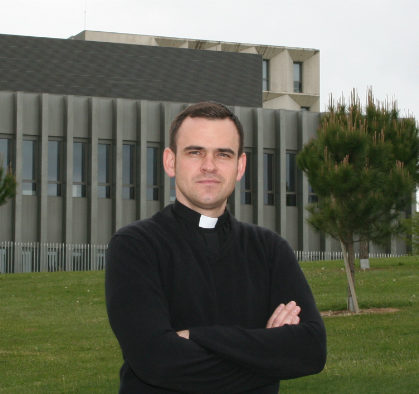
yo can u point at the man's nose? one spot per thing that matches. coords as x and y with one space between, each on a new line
208 164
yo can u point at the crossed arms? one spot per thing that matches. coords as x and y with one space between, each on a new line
283 314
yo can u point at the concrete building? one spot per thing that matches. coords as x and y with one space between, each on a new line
86 166
83 125
291 76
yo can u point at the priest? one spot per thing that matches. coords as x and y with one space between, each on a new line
200 302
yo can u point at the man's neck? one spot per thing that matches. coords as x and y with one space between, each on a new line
212 213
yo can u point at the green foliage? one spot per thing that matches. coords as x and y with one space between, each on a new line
7 185
411 226
364 167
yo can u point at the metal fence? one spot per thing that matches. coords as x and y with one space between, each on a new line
319 255
51 257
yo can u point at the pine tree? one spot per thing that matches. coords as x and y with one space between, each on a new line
364 168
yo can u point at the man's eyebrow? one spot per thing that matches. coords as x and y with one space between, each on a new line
221 150
193 147
226 150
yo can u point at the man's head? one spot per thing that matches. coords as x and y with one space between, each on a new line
206 157
206 110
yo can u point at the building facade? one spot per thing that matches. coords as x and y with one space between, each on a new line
83 125
290 76
86 166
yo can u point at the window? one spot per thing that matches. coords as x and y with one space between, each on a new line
54 168
298 77
5 153
265 74
291 179
247 181
153 170
29 167
79 169
128 168
312 196
268 179
104 171
305 108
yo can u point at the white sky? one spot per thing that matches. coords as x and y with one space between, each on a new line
362 43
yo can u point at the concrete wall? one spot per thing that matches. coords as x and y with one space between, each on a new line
93 120
280 71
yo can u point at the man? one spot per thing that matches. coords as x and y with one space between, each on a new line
199 302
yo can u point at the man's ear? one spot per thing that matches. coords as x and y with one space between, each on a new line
169 158
241 166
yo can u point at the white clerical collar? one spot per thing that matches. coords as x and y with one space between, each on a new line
207 222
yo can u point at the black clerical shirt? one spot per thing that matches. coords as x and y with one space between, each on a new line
161 278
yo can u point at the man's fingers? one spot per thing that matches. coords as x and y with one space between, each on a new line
274 315
287 314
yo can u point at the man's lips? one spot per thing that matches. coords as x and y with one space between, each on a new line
208 181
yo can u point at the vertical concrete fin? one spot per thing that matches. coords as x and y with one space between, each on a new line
142 159
117 164
258 121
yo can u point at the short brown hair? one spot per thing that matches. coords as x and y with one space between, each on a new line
207 110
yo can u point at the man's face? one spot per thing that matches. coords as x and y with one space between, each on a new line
206 164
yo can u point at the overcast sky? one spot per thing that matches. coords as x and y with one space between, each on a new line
362 43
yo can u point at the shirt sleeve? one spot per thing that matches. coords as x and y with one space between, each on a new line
139 316
285 352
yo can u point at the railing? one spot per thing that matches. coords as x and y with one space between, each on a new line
320 256
51 257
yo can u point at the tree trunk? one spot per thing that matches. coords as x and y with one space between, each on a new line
364 254
349 260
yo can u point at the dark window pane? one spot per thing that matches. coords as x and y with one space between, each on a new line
265 74
28 188
298 83
4 152
268 178
291 200
54 189
246 181
28 151
153 162
247 198
104 163
127 164
269 199
128 193
152 194
79 162
104 191
152 165
53 161
291 172
79 190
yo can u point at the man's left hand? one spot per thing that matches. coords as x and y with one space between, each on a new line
183 333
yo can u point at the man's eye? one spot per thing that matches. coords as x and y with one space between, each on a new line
194 152
224 155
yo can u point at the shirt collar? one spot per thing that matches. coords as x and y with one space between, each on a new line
196 219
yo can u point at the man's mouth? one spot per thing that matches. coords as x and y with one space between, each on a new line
208 181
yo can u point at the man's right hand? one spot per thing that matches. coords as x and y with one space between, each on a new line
284 314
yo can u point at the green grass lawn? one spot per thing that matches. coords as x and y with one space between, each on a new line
55 337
